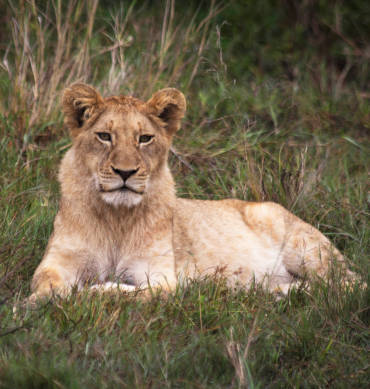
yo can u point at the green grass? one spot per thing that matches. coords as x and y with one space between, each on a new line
272 115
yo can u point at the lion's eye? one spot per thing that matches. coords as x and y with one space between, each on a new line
105 136
145 138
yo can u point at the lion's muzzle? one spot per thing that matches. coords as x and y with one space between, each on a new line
119 186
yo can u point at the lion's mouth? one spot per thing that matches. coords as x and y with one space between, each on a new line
126 188
123 189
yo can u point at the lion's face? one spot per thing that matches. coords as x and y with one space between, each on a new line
123 151
122 142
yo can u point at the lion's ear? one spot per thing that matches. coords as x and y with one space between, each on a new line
169 105
79 102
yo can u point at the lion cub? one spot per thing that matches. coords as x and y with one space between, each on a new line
120 220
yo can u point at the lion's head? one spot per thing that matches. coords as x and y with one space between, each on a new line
121 142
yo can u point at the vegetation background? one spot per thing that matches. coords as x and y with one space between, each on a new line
279 110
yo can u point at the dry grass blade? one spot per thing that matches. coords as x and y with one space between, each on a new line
239 358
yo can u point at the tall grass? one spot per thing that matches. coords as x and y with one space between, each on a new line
44 54
59 43
271 116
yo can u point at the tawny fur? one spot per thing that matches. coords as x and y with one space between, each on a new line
135 232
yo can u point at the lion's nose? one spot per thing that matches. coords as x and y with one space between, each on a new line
125 174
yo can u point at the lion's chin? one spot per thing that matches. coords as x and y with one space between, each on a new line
126 198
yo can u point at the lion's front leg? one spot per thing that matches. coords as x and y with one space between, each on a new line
48 282
144 291
57 273
113 287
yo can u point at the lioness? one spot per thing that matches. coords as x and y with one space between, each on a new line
120 224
